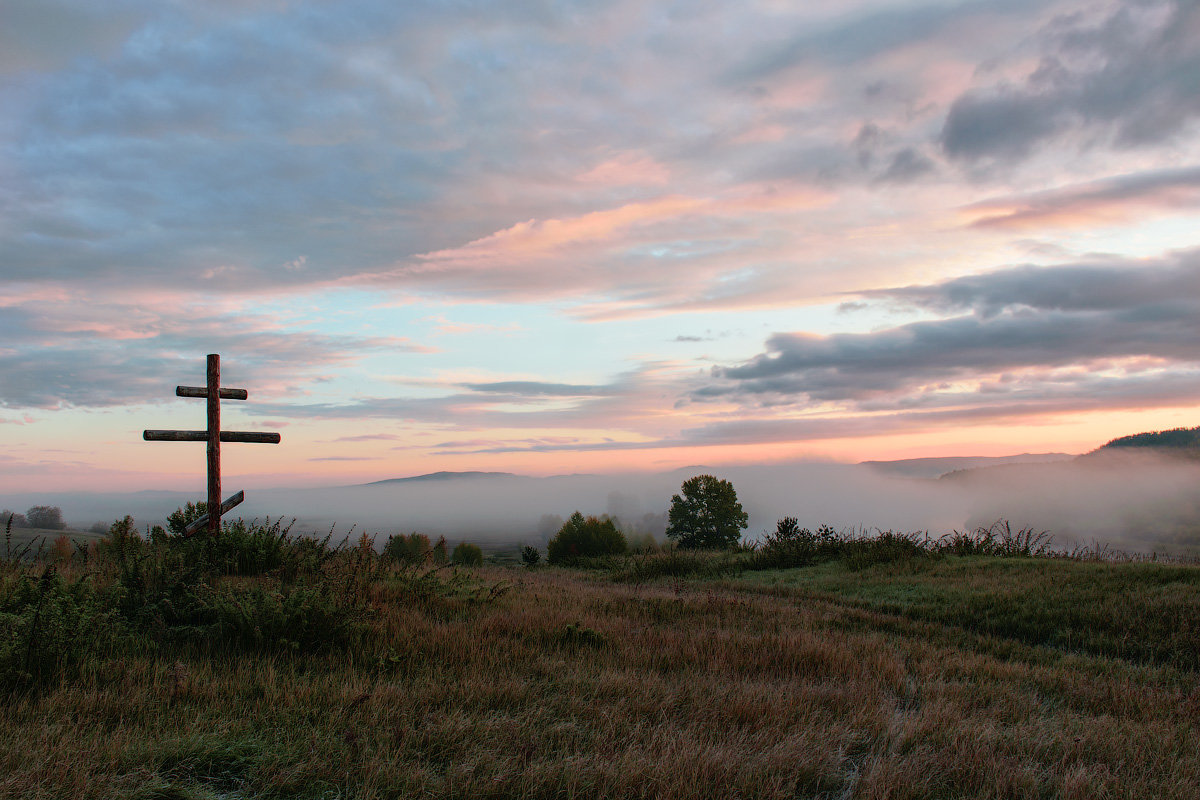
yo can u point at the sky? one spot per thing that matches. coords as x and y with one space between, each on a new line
588 237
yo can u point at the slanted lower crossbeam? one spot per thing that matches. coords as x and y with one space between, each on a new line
213 435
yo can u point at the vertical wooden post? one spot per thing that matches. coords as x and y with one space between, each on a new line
214 444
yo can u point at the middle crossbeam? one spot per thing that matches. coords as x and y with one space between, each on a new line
202 436
202 392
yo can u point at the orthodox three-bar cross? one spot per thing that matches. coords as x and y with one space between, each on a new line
214 393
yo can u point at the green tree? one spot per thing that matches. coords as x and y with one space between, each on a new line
707 514
581 537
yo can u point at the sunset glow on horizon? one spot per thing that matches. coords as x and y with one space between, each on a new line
589 238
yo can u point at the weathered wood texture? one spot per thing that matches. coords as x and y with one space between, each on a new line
258 437
214 444
202 391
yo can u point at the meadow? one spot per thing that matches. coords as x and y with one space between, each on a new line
267 665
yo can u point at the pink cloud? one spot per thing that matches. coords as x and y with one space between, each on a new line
1118 199
627 169
647 253
539 237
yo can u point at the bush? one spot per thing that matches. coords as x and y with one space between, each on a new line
439 555
530 555
467 555
411 549
792 546
180 518
885 547
49 626
581 537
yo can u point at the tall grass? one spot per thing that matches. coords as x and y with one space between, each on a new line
254 588
918 674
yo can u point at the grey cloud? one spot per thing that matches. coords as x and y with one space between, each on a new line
867 35
1101 285
257 137
47 34
907 165
118 355
538 388
618 403
1126 78
1044 330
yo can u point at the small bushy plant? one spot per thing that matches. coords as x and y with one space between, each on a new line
885 547
467 555
439 553
530 555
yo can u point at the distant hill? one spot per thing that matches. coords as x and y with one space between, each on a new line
938 467
1125 452
441 476
1174 439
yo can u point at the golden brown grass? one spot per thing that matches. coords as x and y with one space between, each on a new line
569 685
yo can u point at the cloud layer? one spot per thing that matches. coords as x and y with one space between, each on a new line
1024 339
494 230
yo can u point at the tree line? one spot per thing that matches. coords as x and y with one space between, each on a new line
45 517
705 514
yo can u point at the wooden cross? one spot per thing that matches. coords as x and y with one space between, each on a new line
214 393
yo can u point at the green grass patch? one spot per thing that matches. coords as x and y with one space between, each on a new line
1142 612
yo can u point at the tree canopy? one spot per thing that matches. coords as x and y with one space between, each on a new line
707 514
49 517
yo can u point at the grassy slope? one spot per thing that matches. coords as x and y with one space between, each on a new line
964 677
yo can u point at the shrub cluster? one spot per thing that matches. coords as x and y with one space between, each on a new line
253 588
581 538
415 549
792 546
467 555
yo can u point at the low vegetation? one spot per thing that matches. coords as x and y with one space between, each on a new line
582 538
813 664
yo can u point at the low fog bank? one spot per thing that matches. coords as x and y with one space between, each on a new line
513 508
1134 501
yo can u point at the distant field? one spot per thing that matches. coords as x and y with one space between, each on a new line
21 537
960 677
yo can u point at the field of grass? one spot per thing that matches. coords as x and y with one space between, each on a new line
28 540
951 677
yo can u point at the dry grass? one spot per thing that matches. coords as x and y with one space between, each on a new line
569 685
